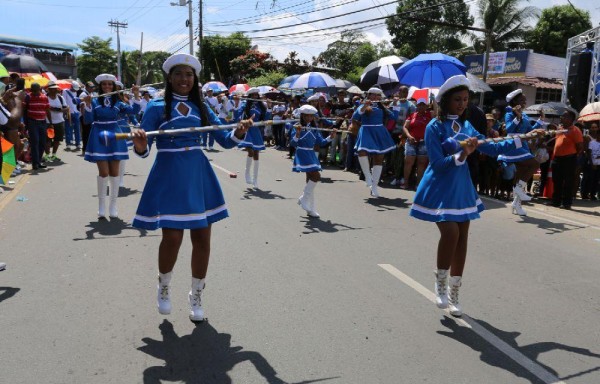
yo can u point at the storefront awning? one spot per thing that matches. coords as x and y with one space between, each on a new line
37 43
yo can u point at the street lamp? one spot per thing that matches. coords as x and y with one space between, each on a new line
188 22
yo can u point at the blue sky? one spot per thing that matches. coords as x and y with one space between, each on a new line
70 21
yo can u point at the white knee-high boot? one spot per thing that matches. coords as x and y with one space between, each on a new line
377 169
516 207
195 299
164 293
519 190
102 183
313 206
454 305
114 194
255 174
121 173
307 200
248 164
364 166
441 288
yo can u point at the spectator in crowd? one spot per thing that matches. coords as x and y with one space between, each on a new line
564 163
10 131
56 121
143 103
279 112
340 109
86 128
403 108
73 122
415 149
589 180
37 110
488 164
477 119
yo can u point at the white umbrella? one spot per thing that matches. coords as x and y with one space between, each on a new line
478 85
355 90
382 71
590 112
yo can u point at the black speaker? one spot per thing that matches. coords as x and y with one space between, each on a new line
580 67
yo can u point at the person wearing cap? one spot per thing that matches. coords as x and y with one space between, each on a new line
37 110
182 191
72 124
254 141
446 195
8 99
56 120
373 138
517 122
304 137
103 113
414 148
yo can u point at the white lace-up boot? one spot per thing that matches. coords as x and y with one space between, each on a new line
519 190
113 193
377 169
195 299
121 173
248 164
441 288
516 207
164 293
255 175
102 184
454 305
311 203
364 166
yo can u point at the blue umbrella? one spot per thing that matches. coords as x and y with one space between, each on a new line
430 70
313 80
288 80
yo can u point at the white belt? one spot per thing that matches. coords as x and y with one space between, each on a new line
184 149
106 122
305 148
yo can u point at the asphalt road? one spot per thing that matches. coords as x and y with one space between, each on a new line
344 299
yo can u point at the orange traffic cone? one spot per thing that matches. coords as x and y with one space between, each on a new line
549 187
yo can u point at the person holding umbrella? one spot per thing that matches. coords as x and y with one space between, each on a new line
373 139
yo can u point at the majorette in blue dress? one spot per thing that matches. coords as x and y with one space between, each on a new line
373 138
104 116
305 159
514 127
446 192
254 137
124 121
182 190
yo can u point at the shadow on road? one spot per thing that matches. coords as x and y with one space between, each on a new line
385 204
492 356
205 356
314 225
550 227
7 292
251 193
113 227
125 191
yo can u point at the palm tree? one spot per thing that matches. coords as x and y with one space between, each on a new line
508 22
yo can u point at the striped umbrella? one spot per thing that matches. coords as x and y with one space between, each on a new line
8 160
266 89
382 71
216 86
313 80
239 89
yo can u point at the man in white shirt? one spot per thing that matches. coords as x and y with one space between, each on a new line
56 120
72 126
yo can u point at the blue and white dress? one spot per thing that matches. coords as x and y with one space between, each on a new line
254 137
124 121
182 190
446 192
305 159
373 138
514 127
104 116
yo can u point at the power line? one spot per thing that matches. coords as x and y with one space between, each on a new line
81 6
302 4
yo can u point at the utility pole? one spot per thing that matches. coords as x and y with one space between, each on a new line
189 23
138 80
116 24
200 37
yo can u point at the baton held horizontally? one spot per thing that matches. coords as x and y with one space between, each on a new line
452 146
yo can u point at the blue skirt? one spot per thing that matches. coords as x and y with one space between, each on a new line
253 140
98 150
305 160
124 126
374 139
182 192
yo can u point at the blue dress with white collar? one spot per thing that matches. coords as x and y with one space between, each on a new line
182 190
446 192
104 116
305 159
254 136
514 127
372 137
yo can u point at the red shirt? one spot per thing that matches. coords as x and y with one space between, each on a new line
37 106
417 124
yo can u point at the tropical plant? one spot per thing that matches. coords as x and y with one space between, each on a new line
272 78
218 51
97 57
252 64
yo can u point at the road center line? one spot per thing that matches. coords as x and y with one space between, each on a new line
466 321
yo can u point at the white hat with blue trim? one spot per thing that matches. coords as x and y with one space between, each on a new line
182 59
105 77
452 82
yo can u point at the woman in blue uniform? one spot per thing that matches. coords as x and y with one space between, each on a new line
304 138
373 139
446 194
517 122
103 114
182 190
254 141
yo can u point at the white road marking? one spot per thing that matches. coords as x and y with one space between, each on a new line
466 321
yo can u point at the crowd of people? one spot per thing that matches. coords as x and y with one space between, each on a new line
397 140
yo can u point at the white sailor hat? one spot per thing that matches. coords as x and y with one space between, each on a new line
119 84
375 91
422 100
182 59
75 85
105 77
453 82
307 110
252 90
513 94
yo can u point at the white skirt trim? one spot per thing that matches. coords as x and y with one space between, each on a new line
448 211
375 150
189 217
107 154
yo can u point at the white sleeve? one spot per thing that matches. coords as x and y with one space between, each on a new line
458 162
4 115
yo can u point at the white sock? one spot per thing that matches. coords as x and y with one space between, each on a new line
198 283
364 165
376 174
255 174
165 278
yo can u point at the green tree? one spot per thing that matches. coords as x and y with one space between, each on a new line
411 38
292 64
555 26
218 51
350 51
272 78
252 64
97 57
507 20
150 69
